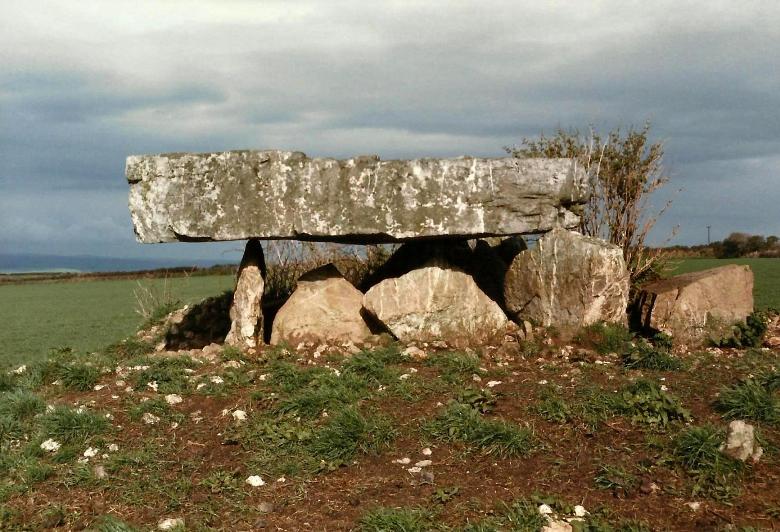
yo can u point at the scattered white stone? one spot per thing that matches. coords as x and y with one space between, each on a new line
664 388
91 452
414 352
100 472
263 377
196 417
414 469
171 523
21 369
543 381
281 480
50 445
476 378
49 408
255 481
404 376
403 461
694 506
114 397
423 463
580 511
336 372
113 447
58 382
173 399
412 370
129 390
200 385
153 385
175 425
492 384
239 415
235 364
150 419
427 451
216 379
99 387
544 509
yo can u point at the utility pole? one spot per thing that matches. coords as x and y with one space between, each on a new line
708 234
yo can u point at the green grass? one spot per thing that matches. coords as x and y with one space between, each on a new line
767 276
85 315
751 399
463 423
396 520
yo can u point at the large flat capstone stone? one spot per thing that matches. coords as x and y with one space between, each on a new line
236 195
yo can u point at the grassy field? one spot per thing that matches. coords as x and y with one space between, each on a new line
766 271
84 315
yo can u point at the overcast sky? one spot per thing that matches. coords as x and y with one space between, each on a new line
84 84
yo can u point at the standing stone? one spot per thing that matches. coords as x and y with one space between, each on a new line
281 194
325 308
246 311
435 302
741 442
568 280
698 305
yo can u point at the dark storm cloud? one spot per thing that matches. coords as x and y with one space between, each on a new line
81 88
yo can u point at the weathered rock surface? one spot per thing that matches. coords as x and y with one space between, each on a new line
287 195
246 311
568 280
741 442
325 307
695 306
435 302
486 264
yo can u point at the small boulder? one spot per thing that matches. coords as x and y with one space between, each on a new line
325 307
568 280
246 311
435 302
741 442
696 306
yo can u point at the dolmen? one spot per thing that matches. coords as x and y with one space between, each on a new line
462 274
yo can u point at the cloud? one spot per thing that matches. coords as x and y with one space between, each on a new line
84 85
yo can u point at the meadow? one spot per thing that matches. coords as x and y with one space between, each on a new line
87 315
84 315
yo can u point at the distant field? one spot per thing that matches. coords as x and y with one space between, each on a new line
84 315
766 272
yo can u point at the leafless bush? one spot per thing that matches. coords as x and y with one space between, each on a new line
625 169
153 301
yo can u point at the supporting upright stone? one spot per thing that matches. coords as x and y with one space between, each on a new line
437 301
325 307
568 280
246 312
697 306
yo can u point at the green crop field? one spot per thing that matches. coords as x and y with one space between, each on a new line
84 315
766 272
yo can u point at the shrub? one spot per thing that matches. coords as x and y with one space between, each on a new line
625 169
748 334
645 402
645 356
